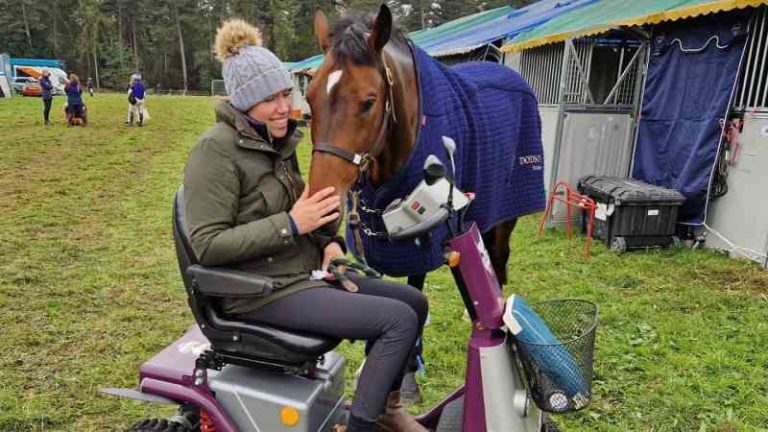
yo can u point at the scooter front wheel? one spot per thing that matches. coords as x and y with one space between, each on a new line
452 416
453 413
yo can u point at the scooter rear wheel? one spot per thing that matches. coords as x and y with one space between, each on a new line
159 425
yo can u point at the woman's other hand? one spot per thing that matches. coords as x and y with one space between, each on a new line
312 212
333 250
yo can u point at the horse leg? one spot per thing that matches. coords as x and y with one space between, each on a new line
410 393
497 242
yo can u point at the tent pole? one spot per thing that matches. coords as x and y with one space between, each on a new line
642 74
752 97
560 115
582 74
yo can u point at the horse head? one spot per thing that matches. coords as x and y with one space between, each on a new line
357 100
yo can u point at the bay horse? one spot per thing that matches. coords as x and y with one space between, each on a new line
380 106
373 110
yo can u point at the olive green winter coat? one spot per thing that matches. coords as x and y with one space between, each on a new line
238 190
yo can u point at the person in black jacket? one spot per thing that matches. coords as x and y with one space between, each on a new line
47 93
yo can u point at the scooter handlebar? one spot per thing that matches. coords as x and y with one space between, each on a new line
422 228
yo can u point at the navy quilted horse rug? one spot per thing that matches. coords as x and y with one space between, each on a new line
492 114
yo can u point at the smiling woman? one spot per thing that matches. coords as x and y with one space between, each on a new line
242 186
273 112
246 206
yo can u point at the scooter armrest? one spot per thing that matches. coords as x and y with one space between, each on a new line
226 282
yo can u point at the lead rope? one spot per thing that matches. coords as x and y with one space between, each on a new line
353 219
358 267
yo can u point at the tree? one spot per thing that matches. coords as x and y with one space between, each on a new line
170 41
180 35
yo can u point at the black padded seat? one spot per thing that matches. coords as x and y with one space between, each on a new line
299 343
232 338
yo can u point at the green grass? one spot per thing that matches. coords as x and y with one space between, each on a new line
89 289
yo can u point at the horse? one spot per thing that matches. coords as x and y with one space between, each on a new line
381 105
76 116
369 107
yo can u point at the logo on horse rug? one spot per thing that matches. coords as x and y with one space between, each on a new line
492 115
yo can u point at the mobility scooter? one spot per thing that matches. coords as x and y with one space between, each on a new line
229 376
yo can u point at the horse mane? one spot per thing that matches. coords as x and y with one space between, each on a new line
350 38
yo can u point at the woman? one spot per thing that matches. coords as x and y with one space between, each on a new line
46 89
75 107
246 206
136 92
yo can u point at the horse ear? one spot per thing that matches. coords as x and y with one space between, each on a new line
321 30
382 28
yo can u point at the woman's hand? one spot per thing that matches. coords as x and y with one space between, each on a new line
333 250
311 212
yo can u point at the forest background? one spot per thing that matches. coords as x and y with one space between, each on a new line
169 41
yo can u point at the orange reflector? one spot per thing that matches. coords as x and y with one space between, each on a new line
289 416
453 259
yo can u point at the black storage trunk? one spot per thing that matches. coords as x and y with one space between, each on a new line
632 214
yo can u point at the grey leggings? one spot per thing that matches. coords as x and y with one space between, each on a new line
388 315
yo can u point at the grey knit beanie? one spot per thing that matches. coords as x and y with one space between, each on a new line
251 73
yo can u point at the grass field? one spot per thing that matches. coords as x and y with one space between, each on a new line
89 289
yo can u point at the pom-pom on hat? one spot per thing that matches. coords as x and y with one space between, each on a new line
251 72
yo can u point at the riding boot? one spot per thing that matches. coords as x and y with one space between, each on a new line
141 119
396 418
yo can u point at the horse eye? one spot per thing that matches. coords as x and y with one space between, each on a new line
367 105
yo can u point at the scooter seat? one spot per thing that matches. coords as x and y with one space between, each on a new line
269 342
233 340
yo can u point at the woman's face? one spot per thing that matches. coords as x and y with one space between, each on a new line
274 112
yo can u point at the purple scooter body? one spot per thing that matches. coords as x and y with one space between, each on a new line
171 374
485 294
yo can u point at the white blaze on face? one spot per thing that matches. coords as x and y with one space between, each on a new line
333 79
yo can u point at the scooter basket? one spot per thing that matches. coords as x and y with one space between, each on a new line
559 375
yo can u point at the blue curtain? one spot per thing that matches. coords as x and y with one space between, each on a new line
691 75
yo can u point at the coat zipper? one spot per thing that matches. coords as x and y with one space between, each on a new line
289 177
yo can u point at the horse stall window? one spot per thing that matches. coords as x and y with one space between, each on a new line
753 85
597 71
577 72
542 68
615 69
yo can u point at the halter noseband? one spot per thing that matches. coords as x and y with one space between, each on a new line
363 160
